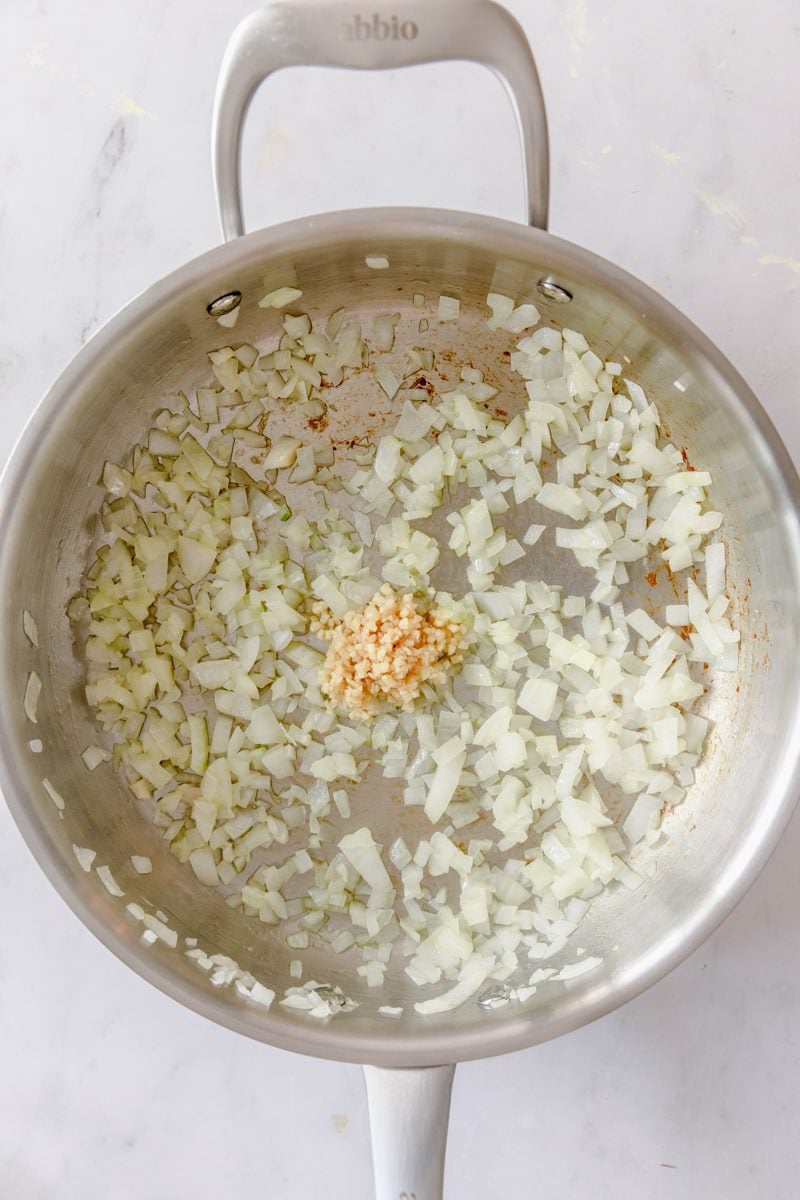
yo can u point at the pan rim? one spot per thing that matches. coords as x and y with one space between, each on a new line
438 1043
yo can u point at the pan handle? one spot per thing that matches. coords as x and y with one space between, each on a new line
379 35
408 1112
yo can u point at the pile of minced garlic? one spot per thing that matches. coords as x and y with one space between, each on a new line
386 651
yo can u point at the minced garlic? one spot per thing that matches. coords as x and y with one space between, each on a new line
386 651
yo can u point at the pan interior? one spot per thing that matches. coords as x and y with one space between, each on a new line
107 399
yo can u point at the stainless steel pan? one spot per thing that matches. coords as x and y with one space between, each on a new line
103 402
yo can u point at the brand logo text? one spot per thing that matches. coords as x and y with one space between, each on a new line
378 29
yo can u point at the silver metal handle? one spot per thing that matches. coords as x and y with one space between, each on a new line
380 35
408 1113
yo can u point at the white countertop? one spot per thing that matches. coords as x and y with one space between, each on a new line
675 134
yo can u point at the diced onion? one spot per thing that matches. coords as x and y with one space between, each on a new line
205 604
33 689
85 857
94 755
54 795
108 881
280 297
30 628
449 308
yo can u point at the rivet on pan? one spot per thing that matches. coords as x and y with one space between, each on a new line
553 291
494 997
224 304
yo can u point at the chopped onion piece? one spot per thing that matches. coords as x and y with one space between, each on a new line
449 308
94 755
282 453
108 881
502 308
532 534
474 973
85 857
359 849
280 297
33 689
573 970
715 571
388 381
31 629
443 785
55 796
538 697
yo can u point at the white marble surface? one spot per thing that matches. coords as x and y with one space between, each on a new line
676 151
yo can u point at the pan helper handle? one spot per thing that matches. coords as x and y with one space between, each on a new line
377 35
